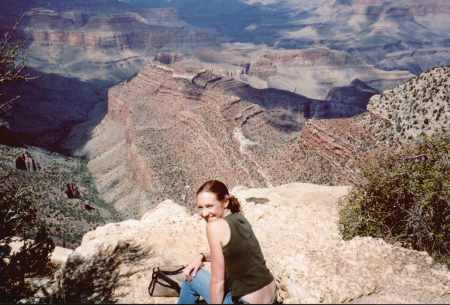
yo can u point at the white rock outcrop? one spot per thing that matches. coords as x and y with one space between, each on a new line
297 230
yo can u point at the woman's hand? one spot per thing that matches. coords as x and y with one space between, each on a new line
193 267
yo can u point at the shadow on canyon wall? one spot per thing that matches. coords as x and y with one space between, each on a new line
49 107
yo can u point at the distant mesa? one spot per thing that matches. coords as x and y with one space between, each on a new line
121 31
358 93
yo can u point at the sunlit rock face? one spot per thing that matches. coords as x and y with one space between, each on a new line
296 228
169 127
310 72
155 29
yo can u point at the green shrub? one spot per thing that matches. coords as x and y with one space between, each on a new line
18 222
404 197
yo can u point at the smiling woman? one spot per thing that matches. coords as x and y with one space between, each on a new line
238 269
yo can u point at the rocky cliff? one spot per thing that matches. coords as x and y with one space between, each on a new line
81 51
170 127
156 29
311 72
419 106
296 227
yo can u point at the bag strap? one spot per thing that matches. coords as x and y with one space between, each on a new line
170 283
158 274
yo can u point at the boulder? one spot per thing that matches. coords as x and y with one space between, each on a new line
89 207
25 162
72 191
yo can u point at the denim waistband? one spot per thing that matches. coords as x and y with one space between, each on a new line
238 300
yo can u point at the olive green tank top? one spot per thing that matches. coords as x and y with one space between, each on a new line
245 266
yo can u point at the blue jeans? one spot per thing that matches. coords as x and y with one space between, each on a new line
199 286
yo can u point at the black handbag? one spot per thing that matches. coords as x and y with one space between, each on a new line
166 281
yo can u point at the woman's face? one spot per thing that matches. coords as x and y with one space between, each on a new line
210 208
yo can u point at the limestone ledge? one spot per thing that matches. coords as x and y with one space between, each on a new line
296 227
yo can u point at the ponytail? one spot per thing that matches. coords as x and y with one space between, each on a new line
234 205
221 191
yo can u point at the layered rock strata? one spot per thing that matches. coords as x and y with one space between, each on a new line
337 147
178 127
113 31
296 227
311 72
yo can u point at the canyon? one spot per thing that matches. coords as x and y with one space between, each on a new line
138 102
93 45
235 101
177 126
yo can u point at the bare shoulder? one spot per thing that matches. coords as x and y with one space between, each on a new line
218 232
217 225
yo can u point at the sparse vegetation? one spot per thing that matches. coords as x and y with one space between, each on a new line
18 222
67 219
94 280
404 197
12 66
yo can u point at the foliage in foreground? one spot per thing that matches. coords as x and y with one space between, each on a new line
12 65
18 224
405 197
94 280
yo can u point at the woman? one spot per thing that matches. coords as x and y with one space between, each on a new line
238 269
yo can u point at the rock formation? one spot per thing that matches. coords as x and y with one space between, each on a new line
422 104
296 227
310 72
419 106
25 162
72 191
177 125
357 93
109 32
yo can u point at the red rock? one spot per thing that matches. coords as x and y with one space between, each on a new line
26 162
112 31
72 191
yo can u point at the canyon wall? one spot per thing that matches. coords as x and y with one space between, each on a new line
169 129
310 72
156 29
179 126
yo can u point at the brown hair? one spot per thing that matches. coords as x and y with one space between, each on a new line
221 190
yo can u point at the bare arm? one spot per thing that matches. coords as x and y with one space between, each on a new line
194 266
215 231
